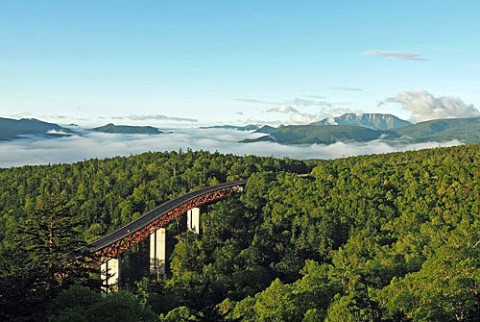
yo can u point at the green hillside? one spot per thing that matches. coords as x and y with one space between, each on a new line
320 134
266 129
127 129
466 130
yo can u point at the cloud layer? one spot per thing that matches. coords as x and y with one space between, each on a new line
101 145
424 106
155 117
284 109
349 89
396 55
300 110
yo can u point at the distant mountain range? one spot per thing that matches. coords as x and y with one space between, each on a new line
250 127
11 129
381 126
321 134
127 129
345 128
374 121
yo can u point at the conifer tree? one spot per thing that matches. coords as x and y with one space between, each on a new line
43 259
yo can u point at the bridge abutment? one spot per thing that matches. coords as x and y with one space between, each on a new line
158 243
193 220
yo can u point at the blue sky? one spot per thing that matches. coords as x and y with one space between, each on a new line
197 62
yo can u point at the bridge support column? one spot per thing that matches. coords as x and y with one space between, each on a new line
193 220
158 243
110 274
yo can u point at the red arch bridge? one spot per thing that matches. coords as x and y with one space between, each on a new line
108 248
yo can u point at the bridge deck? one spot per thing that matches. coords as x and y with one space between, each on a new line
154 214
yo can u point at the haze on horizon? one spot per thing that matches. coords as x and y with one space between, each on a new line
191 63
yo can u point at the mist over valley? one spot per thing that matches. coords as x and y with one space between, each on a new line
82 143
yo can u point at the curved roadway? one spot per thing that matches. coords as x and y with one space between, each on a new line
152 215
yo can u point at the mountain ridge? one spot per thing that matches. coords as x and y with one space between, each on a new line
357 128
127 129
375 121
11 129
466 130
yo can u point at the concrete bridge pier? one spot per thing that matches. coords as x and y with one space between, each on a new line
110 275
158 242
193 220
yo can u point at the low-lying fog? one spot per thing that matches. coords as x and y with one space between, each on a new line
87 145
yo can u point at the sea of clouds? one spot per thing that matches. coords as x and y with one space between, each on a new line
87 145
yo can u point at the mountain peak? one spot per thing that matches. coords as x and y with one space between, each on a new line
375 121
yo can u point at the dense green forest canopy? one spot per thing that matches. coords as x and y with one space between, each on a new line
390 237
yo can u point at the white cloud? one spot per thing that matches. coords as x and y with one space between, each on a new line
396 55
100 145
156 117
304 118
349 89
284 109
424 106
252 120
55 132
255 101
305 111
295 116
300 110
309 102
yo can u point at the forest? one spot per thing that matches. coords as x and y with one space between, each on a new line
391 237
